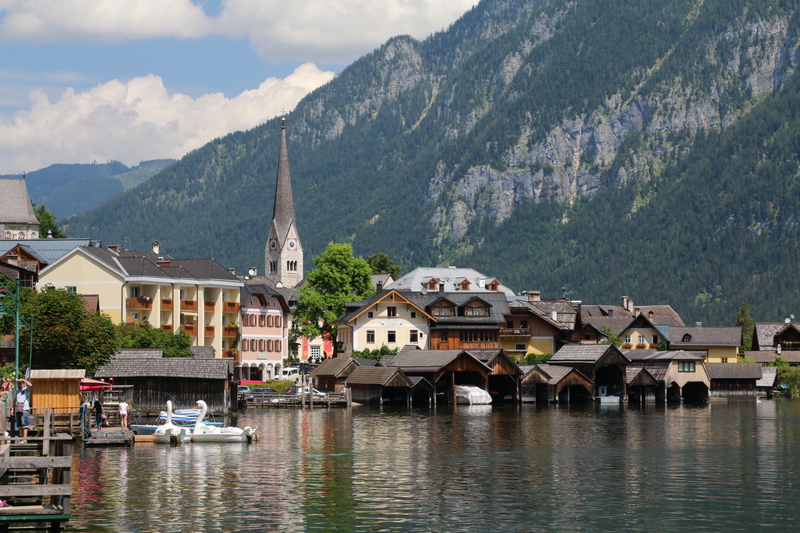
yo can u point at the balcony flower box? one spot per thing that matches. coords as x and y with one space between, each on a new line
641 346
626 346
655 346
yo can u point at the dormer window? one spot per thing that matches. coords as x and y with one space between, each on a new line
443 310
477 310
686 338
464 285
494 286
432 285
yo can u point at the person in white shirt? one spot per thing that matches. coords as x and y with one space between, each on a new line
123 414
22 407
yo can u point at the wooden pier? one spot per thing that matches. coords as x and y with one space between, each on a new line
110 436
295 400
35 480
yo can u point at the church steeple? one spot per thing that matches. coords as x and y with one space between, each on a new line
283 253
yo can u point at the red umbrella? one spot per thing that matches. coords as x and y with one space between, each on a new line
94 384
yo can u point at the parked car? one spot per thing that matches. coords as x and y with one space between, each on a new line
259 394
296 390
291 373
243 389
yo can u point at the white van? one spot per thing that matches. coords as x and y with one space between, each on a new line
291 373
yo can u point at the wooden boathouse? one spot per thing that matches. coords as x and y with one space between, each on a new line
154 379
553 383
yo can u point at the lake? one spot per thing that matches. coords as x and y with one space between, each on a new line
508 468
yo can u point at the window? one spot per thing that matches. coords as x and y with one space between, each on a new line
510 324
370 336
476 311
391 311
641 339
291 266
269 321
627 339
277 346
443 311
494 286
261 345
273 267
519 347
413 314
724 359
523 324
413 336
277 322
391 336
432 285
314 352
655 339
261 320
370 314
685 366
134 292
464 285
444 336
71 288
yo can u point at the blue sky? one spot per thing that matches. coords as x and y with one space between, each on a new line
131 80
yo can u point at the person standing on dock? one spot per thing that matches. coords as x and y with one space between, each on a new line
98 414
123 414
22 407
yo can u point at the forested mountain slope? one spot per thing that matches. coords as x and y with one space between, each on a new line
609 146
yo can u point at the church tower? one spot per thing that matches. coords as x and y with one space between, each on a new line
283 255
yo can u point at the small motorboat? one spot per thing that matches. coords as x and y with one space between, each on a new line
472 395
169 432
203 432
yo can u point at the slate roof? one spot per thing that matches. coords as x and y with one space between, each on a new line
46 250
354 309
633 371
616 324
261 288
140 353
373 376
366 362
564 321
556 372
734 370
331 367
764 333
768 376
168 367
581 353
670 355
498 306
566 314
706 336
416 360
662 314
657 369
418 278
15 203
768 356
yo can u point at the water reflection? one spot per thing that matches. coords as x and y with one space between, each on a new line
459 468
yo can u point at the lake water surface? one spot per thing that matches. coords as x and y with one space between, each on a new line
720 467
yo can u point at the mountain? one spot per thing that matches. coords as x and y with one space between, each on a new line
605 146
69 189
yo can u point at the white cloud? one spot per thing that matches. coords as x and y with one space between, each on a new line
139 120
306 30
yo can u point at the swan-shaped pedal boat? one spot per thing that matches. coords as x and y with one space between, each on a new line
205 433
169 432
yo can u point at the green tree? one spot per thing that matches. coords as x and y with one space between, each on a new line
376 354
65 334
381 263
47 222
535 358
744 320
177 344
611 337
338 277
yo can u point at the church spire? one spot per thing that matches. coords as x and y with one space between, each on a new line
283 210
284 253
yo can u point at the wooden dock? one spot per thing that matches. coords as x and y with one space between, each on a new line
35 481
295 400
111 436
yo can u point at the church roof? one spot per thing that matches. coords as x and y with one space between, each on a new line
283 209
15 203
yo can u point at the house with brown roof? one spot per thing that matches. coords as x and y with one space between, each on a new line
379 385
679 375
603 364
331 374
720 344
594 318
535 326
734 380
554 383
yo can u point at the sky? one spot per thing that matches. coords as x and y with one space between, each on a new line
134 80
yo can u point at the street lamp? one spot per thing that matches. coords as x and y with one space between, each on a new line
9 304
28 322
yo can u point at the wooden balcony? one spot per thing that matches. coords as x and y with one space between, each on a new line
232 354
167 327
190 329
209 331
515 332
188 305
230 331
166 304
230 307
139 302
209 306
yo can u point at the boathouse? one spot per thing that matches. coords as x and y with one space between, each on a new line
331 374
443 368
505 377
603 364
681 375
379 385
739 379
184 380
554 383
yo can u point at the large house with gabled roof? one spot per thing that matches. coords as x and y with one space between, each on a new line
17 219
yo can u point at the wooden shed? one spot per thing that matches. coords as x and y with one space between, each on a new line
331 374
734 379
379 385
551 383
59 390
184 380
603 364
504 380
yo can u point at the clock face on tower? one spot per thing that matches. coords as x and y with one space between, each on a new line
273 244
292 244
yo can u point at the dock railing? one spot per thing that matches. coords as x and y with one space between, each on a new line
35 479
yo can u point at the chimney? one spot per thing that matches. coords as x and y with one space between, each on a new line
163 262
787 320
253 271
533 296
624 302
114 248
554 315
155 247
232 271
778 349
698 324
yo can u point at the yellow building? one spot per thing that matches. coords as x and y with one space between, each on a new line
148 288
384 319
721 344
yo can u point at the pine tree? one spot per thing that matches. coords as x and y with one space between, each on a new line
744 320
